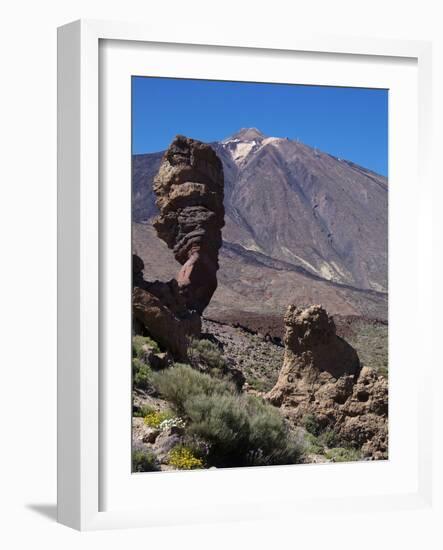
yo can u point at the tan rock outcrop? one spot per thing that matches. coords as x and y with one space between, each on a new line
321 376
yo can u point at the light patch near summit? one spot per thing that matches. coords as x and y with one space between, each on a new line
242 150
273 140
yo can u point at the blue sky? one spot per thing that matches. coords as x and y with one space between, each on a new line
350 123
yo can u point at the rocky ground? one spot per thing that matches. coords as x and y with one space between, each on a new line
258 353
257 357
253 343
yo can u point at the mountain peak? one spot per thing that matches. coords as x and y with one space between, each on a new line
247 134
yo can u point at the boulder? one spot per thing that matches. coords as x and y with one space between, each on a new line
155 359
165 442
168 329
141 433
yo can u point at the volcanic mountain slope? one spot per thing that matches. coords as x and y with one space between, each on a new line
301 227
251 283
144 169
291 202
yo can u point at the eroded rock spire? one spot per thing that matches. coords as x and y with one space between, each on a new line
189 191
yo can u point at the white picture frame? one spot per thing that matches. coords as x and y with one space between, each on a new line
83 204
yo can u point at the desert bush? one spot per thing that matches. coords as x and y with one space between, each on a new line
177 384
206 357
328 438
270 438
313 445
240 429
141 411
311 424
259 384
143 460
319 444
141 374
183 458
342 454
139 341
141 371
198 446
205 353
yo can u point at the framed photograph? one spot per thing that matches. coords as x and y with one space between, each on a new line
240 242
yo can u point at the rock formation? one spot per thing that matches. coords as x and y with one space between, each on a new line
322 376
159 311
189 190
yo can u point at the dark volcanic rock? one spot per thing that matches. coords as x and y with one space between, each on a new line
189 191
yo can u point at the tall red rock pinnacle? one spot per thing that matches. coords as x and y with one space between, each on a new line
189 194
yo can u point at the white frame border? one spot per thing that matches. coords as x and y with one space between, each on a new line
78 255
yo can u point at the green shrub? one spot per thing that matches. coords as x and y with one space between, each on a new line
259 384
142 411
183 458
312 425
137 345
206 357
318 444
144 461
342 454
177 384
270 438
240 429
141 374
205 353
313 445
328 438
